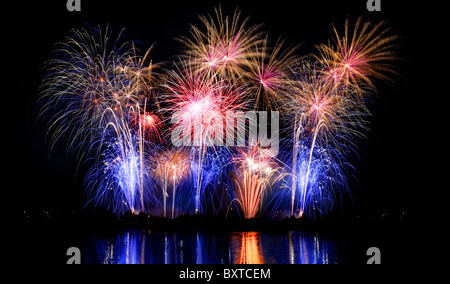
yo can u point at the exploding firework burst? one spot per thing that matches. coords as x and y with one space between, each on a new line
224 46
89 73
324 112
149 125
267 75
359 57
200 104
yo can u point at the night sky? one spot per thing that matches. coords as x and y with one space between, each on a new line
392 166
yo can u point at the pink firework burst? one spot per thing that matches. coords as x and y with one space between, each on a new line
359 56
200 103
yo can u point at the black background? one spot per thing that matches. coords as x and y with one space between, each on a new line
393 168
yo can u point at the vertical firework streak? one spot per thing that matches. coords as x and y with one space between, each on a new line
170 168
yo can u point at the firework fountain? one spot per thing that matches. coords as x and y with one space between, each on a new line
256 172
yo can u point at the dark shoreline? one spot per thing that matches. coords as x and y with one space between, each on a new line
103 221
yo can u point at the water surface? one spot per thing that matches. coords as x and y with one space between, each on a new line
161 247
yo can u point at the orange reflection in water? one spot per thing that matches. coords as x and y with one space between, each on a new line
249 248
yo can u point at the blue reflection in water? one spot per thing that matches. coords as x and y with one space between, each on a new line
140 246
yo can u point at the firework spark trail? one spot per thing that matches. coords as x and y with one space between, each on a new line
256 171
213 170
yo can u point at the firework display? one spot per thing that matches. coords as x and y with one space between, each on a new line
155 139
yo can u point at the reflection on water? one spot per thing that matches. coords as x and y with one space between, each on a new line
139 246
246 245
